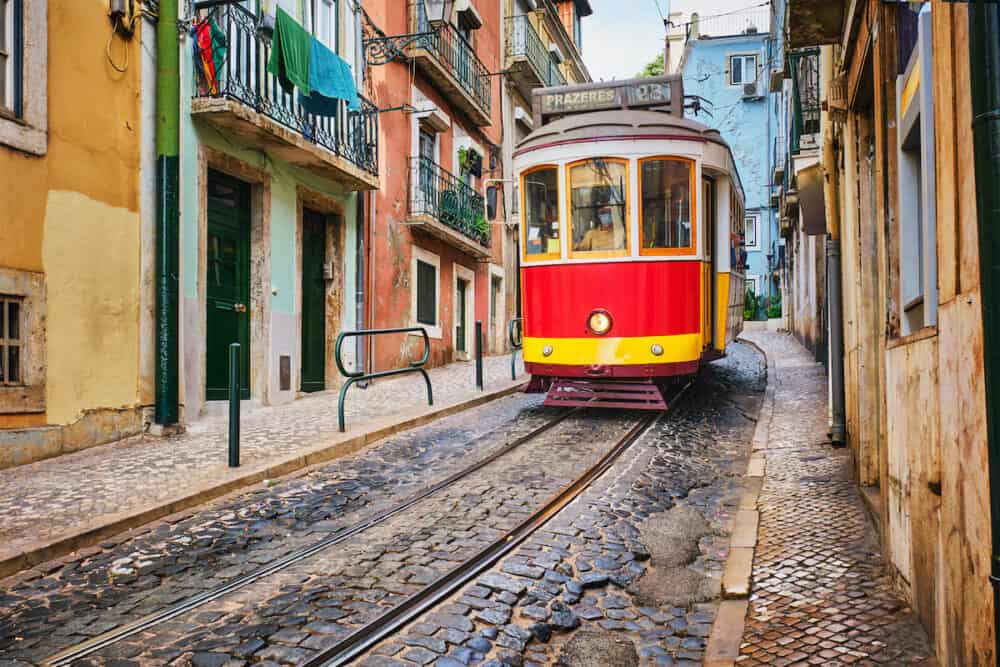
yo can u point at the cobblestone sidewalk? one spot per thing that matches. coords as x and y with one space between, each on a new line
821 593
43 501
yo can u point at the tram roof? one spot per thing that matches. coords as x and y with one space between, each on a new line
626 124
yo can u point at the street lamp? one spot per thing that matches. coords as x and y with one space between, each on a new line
432 16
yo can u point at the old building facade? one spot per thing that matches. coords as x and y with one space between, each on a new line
74 303
724 62
543 46
271 204
892 200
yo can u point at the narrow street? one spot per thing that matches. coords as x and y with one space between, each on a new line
499 333
629 573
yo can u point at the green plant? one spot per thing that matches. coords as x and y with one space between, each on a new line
463 159
774 308
481 226
750 301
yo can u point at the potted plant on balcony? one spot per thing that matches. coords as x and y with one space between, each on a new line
470 161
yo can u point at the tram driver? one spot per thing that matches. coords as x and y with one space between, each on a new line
602 236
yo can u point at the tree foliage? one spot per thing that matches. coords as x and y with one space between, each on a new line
654 67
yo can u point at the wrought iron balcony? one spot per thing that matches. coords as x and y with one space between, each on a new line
451 63
247 100
804 67
448 207
527 58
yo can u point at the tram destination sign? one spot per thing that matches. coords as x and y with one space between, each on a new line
630 93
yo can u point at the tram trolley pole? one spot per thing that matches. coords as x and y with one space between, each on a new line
479 355
360 376
515 334
234 405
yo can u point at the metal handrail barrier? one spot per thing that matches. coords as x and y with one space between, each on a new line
515 343
361 376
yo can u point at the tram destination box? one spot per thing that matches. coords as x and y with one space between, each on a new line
662 93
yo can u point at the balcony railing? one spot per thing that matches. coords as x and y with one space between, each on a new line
352 135
458 57
523 42
753 22
556 77
804 67
437 193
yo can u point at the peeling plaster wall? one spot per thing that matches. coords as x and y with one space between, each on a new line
72 216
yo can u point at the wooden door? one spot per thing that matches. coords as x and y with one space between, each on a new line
227 283
460 316
313 301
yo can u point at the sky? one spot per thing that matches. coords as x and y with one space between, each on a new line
621 36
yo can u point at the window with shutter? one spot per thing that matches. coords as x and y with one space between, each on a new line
426 293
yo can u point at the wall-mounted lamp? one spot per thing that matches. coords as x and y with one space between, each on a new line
384 48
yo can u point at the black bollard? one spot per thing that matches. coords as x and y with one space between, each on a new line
234 405
479 354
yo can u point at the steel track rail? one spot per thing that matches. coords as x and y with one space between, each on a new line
370 634
68 656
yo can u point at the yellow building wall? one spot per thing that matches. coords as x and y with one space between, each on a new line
73 214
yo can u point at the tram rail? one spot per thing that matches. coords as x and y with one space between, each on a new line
377 629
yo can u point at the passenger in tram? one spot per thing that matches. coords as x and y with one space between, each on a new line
601 237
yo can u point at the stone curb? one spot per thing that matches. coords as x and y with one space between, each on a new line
333 448
724 640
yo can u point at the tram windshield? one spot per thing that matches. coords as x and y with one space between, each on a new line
598 212
665 191
541 212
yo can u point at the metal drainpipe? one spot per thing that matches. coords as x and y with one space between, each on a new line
168 218
359 280
831 193
984 68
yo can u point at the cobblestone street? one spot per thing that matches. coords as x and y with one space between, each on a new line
43 501
822 594
629 573
611 563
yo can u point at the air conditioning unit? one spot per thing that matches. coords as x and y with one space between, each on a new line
750 91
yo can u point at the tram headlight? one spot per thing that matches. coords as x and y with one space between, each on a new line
547 351
599 322
656 349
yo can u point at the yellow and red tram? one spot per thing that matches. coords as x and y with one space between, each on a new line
631 265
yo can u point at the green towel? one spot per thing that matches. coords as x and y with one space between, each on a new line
289 59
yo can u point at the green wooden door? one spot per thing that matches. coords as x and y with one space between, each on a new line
313 301
460 315
228 283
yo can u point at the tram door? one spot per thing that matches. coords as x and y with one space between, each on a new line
709 224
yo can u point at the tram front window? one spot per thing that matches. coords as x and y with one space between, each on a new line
599 214
665 191
541 212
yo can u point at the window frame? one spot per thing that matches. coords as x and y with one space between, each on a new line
755 217
916 246
688 251
568 223
6 342
743 69
27 129
420 255
548 256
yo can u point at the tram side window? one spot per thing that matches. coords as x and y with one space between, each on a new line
598 210
665 190
541 212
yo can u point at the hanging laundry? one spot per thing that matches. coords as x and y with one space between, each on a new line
211 47
290 53
331 80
